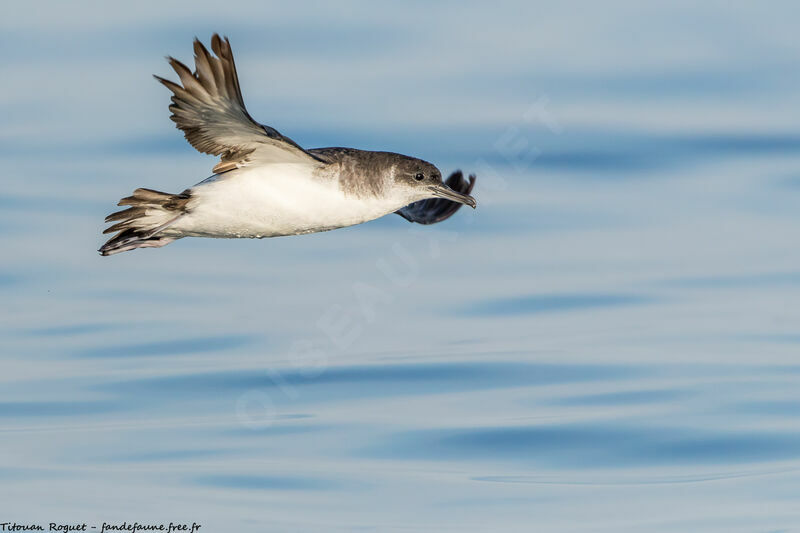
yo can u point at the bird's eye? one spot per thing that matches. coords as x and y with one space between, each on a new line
420 176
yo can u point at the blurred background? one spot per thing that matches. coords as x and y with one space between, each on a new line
609 342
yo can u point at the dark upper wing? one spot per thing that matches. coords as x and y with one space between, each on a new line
208 107
435 210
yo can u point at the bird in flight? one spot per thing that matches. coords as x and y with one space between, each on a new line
267 185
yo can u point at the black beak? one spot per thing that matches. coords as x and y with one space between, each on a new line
443 191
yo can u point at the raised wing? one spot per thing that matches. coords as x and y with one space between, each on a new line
209 108
435 210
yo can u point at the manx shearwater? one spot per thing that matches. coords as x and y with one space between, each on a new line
265 184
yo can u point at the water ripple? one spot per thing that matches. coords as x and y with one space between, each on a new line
169 347
352 381
64 408
72 330
599 479
552 303
252 482
755 280
621 398
596 446
7 279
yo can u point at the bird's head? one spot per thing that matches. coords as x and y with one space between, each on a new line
423 180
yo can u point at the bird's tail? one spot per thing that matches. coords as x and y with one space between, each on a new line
139 225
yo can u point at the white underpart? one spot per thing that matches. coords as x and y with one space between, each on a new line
274 200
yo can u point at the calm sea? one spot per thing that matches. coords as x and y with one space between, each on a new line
610 342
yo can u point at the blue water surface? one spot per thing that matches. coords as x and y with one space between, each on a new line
610 342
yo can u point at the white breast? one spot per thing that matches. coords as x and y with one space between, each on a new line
274 200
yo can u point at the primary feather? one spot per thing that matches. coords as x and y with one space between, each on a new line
210 110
